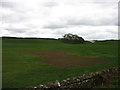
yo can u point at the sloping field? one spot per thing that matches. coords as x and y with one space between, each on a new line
30 62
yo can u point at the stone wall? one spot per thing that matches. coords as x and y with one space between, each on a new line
86 81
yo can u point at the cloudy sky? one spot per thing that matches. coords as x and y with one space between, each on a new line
91 19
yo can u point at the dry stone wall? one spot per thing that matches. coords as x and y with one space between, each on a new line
86 81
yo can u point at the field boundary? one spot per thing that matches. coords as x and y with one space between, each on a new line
86 81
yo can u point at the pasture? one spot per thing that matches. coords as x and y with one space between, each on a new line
30 62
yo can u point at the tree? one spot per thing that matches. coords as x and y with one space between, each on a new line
70 38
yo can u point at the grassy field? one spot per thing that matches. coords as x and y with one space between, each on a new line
24 70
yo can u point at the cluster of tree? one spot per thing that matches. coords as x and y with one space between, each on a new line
70 38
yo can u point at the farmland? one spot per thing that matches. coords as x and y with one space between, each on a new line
22 67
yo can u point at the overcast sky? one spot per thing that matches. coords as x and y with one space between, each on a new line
90 19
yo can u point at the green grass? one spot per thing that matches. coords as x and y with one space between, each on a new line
115 83
23 70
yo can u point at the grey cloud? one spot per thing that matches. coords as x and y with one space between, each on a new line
21 14
82 21
112 31
107 1
13 15
50 4
103 34
13 18
53 26
96 36
17 30
90 22
119 13
85 22
31 33
6 4
59 32
108 20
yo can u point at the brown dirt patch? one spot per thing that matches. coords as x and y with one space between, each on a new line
59 58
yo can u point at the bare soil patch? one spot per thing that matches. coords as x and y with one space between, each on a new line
59 58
